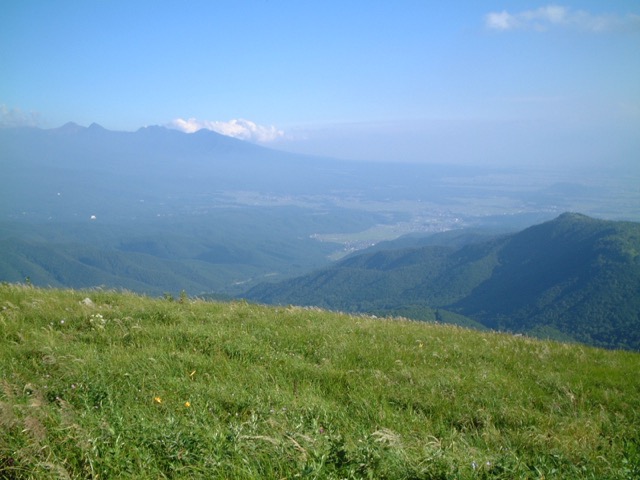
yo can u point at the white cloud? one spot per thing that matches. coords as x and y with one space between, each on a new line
14 117
545 18
237 128
500 20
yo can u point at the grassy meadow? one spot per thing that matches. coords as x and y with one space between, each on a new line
127 386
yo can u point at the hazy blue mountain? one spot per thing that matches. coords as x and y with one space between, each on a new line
211 213
74 170
230 211
572 278
219 212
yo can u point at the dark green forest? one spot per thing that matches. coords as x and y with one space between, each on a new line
218 252
574 278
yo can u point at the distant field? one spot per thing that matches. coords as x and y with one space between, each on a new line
100 384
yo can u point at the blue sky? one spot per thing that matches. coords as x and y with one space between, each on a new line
462 81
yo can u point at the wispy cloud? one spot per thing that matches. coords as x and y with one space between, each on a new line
237 128
556 16
14 117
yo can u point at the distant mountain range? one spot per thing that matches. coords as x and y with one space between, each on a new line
161 211
158 210
574 278
72 171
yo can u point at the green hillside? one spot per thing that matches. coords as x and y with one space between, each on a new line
100 384
573 278
223 251
576 275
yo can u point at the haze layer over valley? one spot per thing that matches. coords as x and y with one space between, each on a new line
237 150
161 210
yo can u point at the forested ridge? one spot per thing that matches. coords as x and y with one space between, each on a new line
574 278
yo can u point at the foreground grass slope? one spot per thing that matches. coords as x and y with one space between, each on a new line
126 386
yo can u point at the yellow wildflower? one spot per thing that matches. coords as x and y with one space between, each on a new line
157 400
187 404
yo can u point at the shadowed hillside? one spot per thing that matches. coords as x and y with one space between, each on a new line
573 278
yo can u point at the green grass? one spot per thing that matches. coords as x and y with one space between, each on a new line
135 387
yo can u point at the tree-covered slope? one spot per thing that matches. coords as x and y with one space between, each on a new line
575 278
223 252
577 275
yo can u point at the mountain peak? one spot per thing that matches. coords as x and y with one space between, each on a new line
70 127
575 224
95 127
573 216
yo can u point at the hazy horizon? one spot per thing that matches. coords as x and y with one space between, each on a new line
522 83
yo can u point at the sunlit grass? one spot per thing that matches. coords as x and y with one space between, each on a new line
127 386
